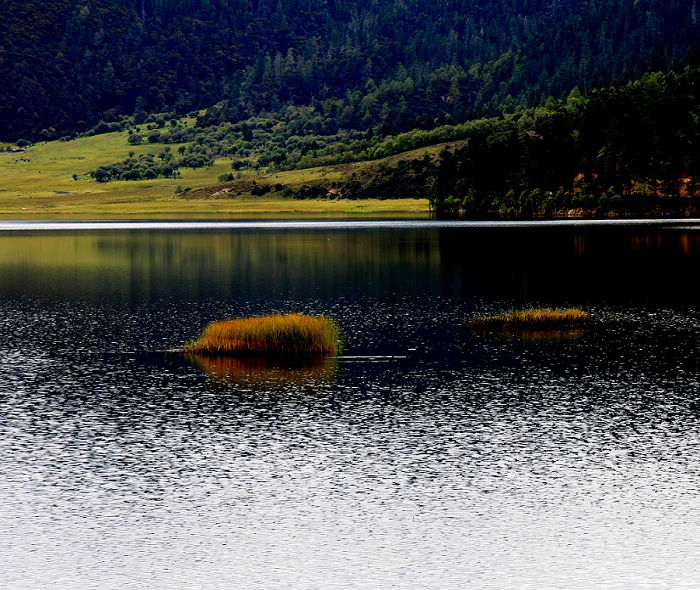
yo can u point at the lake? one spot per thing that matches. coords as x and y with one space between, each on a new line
426 456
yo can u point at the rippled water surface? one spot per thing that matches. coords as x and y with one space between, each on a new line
425 457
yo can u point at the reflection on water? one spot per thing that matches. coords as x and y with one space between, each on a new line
580 266
433 458
529 335
143 265
266 370
527 264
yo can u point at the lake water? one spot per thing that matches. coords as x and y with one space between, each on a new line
425 457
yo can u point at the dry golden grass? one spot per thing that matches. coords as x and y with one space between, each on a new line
292 334
529 318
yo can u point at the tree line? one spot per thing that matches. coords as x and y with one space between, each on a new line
633 148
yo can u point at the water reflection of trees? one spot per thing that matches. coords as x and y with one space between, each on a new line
557 266
142 264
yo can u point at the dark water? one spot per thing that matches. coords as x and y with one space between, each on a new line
466 460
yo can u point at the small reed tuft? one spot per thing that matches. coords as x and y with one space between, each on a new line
292 334
525 319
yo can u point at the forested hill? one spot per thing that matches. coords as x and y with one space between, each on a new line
390 64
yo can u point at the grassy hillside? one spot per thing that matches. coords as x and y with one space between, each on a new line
619 151
40 183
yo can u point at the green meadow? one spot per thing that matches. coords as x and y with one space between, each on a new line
40 183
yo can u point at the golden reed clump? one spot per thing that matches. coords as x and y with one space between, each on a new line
532 318
292 334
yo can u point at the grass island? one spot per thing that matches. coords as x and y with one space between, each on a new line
532 319
290 334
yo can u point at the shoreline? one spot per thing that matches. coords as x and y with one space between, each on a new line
218 209
327 224
271 208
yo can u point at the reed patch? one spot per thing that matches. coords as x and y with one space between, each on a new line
532 318
291 334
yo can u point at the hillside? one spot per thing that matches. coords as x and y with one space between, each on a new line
39 182
354 65
628 149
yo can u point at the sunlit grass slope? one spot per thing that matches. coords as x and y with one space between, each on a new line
274 334
39 183
40 180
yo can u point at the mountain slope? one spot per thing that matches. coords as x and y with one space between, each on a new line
395 65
